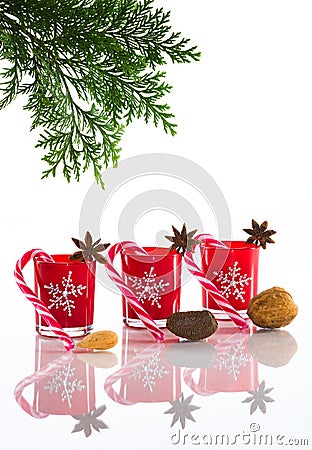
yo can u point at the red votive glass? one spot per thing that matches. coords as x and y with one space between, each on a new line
155 279
234 271
67 290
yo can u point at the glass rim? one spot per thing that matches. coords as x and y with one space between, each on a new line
241 245
68 262
159 252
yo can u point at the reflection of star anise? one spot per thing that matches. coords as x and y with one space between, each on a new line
182 410
90 420
259 234
89 250
258 398
182 241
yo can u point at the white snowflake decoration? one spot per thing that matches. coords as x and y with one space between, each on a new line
149 371
64 382
147 288
232 360
62 295
233 282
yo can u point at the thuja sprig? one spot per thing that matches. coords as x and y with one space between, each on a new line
88 67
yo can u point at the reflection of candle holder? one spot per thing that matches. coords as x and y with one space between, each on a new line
233 369
63 383
145 375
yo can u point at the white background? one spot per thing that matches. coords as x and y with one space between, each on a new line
244 113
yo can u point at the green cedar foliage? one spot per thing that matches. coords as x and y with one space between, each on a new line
88 67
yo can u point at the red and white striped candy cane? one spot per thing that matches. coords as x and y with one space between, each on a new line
126 291
221 301
38 304
40 374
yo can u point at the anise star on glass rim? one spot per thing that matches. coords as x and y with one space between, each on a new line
183 240
259 234
89 250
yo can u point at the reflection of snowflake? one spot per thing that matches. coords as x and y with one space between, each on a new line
182 410
147 289
63 381
148 371
233 282
90 420
258 398
232 360
61 295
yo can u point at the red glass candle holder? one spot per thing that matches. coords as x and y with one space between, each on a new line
67 289
150 378
234 271
68 389
155 279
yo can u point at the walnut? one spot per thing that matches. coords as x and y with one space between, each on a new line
273 308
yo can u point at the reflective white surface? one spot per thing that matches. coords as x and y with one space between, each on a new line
144 394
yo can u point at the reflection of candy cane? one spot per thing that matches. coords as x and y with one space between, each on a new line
126 291
40 374
40 307
221 301
126 370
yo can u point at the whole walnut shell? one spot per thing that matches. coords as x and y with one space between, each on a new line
273 308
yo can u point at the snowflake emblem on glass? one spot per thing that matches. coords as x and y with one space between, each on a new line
63 296
233 282
155 280
147 288
234 271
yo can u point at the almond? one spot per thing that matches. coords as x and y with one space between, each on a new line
99 340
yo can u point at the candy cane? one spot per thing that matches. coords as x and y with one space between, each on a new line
40 307
221 301
34 378
126 291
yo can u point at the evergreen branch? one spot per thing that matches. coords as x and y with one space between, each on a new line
88 67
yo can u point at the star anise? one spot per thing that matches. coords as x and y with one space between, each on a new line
259 234
89 250
182 241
